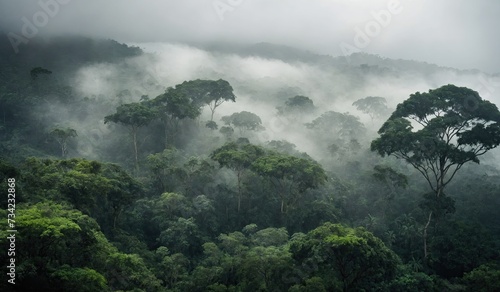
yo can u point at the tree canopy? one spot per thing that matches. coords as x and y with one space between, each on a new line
210 92
451 126
291 175
298 104
374 106
244 121
438 132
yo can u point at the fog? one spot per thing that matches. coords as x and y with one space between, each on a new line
206 40
260 84
454 33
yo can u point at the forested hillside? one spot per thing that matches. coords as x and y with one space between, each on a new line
264 168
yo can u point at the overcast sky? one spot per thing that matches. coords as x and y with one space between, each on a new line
457 33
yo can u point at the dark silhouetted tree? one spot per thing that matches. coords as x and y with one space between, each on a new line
438 132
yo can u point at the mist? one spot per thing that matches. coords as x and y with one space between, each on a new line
232 145
261 84
457 34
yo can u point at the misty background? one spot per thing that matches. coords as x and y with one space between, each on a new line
268 51
460 34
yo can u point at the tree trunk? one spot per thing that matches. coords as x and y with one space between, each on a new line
134 137
425 235
165 124
63 149
239 190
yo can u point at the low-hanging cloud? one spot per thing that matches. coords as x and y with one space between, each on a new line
455 33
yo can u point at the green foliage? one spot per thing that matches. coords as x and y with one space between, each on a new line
67 278
457 126
237 157
411 281
182 236
62 136
209 92
133 115
355 258
261 267
270 237
290 175
89 226
128 272
61 246
175 103
100 190
244 121
459 247
340 125
484 278
454 126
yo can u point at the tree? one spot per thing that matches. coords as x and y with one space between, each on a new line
338 132
227 132
290 175
175 104
238 158
283 146
56 246
342 126
130 272
165 169
454 126
298 104
261 266
35 72
348 259
212 125
210 92
79 279
62 135
484 278
391 178
374 106
244 121
100 190
122 193
132 115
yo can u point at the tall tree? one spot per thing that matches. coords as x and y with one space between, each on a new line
454 125
244 121
347 259
374 106
343 126
238 158
210 92
62 135
298 104
290 175
132 115
176 104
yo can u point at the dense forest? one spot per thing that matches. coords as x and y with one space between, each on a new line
259 168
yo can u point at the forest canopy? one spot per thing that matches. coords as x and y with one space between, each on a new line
212 182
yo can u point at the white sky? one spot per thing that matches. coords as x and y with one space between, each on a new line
456 33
